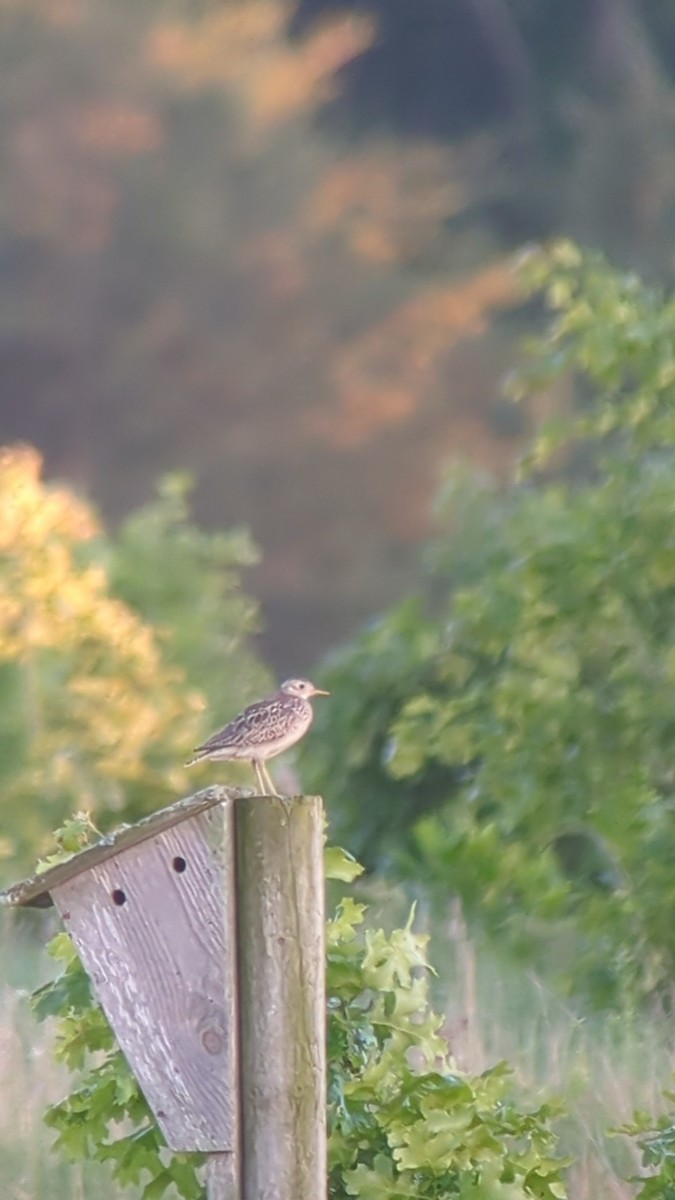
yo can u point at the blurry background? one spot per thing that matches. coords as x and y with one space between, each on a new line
257 293
268 244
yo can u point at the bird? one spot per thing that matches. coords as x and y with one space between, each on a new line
264 729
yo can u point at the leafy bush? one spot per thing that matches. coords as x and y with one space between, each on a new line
511 739
403 1121
656 1141
100 707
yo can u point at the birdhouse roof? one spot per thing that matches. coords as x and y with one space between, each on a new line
35 892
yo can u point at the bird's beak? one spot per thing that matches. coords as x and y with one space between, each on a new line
320 692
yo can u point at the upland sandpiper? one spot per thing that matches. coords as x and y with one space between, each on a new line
264 729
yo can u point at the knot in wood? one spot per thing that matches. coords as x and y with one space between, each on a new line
212 1041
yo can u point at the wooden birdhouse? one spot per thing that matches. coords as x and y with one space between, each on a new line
201 928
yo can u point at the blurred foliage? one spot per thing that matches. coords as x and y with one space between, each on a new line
261 241
656 1141
403 1121
268 241
198 276
511 739
572 103
186 582
100 707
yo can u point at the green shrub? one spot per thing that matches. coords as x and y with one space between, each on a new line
511 738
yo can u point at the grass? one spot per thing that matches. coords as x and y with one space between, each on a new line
602 1069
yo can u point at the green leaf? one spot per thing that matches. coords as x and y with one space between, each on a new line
340 864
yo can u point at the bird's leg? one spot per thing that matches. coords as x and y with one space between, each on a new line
257 767
272 791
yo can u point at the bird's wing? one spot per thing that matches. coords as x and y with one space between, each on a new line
250 728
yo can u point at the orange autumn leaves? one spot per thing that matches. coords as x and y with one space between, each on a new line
381 376
383 206
244 47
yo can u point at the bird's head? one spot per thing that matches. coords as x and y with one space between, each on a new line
302 688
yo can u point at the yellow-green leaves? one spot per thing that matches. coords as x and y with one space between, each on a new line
109 648
341 865
404 1123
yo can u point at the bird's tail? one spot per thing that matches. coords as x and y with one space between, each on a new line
199 756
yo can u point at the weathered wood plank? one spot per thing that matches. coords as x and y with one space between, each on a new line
222 1177
35 891
155 929
280 917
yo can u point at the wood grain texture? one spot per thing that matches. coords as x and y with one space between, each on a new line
280 917
222 1177
35 892
155 929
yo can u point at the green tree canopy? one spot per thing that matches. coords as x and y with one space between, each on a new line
512 739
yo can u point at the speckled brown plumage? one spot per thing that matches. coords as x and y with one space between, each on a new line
264 729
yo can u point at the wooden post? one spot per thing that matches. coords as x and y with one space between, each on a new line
222 1179
281 957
